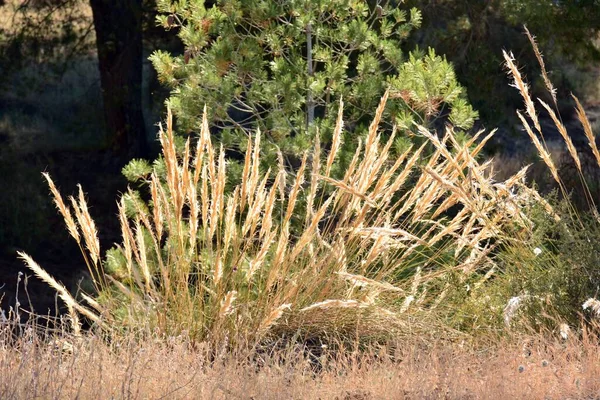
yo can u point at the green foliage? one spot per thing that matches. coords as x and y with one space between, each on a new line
427 84
570 27
473 33
250 63
136 170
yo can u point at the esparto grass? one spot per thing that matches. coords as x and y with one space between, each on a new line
272 257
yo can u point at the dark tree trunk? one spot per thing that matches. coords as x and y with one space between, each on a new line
118 25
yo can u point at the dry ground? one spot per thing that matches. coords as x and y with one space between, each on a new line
88 369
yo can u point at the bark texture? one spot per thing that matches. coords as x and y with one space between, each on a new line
118 25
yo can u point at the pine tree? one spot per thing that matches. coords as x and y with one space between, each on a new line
283 66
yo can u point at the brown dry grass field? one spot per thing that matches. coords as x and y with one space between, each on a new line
88 368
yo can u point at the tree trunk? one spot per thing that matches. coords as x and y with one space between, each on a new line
118 25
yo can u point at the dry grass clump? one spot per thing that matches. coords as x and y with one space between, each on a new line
302 254
312 255
88 367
